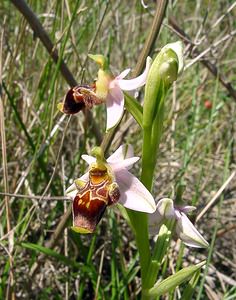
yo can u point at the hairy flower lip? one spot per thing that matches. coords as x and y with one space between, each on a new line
133 193
77 98
185 230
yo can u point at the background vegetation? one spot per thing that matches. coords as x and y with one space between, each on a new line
41 148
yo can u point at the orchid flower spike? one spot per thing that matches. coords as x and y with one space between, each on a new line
107 182
185 230
110 89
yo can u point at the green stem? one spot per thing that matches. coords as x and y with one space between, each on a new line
148 158
151 140
139 223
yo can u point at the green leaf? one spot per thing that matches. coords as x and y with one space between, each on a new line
135 108
52 253
189 290
173 281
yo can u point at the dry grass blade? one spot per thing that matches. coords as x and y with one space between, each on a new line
214 45
50 198
10 292
211 67
99 273
153 34
216 196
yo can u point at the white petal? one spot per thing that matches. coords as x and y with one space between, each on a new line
71 191
134 195
89 159
85 177
188 233
132 84
143 4
115 107
165 207
124 164
186 209
123 74
154 222
123 152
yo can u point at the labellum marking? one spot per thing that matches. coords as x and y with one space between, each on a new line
92 199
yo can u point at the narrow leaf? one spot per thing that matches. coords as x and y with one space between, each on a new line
52 253
134 107
189 290
173 281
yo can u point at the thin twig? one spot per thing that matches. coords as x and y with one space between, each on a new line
153 34
224 14
214 45
216 196
53 198
99 273
212 68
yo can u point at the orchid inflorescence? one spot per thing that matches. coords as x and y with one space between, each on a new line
108 181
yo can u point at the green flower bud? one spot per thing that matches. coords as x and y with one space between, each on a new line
164 71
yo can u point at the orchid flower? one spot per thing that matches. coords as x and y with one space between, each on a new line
107 182
110 89
185 230
107 89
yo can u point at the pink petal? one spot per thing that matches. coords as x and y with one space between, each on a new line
115 107
85 177
132 84
154 222
185 209
123 74
134 195
89 159
188 233
122 158
123 152
124 164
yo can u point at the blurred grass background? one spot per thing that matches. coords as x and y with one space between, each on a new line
39 144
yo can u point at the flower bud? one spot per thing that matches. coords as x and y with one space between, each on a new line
164 71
